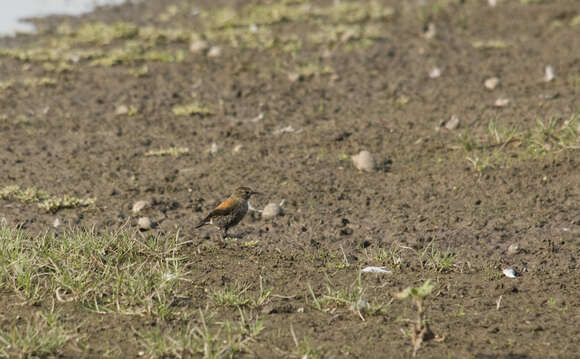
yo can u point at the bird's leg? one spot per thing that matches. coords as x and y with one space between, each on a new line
224 234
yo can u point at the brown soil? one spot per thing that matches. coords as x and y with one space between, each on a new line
66 139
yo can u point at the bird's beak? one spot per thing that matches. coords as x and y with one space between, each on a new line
256 192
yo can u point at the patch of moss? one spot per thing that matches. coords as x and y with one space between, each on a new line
311 70
99 33
55 203
14 192
47 202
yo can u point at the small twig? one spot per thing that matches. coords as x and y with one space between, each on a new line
344 255
498 302
293 335
405 247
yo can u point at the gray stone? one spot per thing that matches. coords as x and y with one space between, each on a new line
271 210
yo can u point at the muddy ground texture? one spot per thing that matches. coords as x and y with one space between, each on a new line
176 103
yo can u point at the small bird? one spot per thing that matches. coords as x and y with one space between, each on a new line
230 212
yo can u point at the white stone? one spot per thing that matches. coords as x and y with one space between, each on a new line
435 73
364 161
271 210
502 102
491 83
514 249
453 123
198 46
549 75
144 223
510 273
139 206
215 51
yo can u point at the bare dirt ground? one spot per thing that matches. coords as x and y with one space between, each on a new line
176 103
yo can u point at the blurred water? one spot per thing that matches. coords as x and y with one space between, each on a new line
11 11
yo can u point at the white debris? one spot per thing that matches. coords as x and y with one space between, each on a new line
288 129
121 110
139 206
56 223
491 83
271 210
453 123
502 102
364 161
435 73
252 208
492 3
372 269
431 31
198 46
144 223
293 76
514 249
549 73
215 51
510 273
258 118
213 148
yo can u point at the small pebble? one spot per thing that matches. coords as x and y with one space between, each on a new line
215 51
213 148
293 77
502 102
56 223
435 73
431 31
514 249
453 123
198 46
139 206
271 210
144 223
491 83
549 74
364 161
510 273
121 110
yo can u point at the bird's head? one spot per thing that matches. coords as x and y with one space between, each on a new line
243 193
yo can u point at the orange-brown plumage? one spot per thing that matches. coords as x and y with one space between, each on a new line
230 212
227 204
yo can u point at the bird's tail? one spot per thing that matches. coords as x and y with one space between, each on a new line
202 223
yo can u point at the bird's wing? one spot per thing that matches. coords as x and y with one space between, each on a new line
224 208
